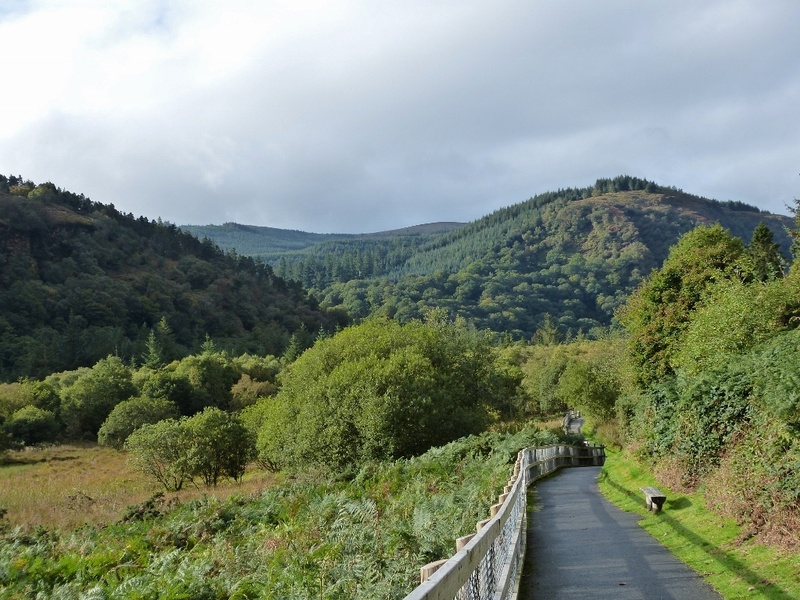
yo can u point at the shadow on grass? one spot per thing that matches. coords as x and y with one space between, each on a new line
724 559
678 503
16 458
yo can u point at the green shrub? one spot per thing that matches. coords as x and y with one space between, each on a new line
129 415
159 451
32 425
218 445
93 394
382 390
210 445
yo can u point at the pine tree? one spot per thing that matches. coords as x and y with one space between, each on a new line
154 355
764 253
795 232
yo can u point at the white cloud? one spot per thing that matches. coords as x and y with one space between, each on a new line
359 116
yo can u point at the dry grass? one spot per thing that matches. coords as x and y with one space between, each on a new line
64 487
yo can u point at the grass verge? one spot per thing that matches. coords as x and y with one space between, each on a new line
703 540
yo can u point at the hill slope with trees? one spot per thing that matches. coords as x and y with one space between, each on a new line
80 280
560 262
269 243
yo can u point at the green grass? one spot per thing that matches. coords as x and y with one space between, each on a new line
703 540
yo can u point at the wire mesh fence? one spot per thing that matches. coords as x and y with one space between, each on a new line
488 567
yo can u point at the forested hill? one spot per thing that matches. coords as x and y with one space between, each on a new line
269 243
79 281
564 259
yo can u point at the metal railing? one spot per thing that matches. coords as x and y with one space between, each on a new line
487 564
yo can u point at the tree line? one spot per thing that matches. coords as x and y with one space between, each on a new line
79 281
572 255
700 381
376 391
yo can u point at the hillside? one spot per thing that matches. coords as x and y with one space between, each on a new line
574 255
80 281
269 244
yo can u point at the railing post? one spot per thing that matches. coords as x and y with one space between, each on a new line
429 569
463 541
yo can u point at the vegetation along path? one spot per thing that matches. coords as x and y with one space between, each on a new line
582 546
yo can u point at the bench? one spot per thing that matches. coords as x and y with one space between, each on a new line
653 498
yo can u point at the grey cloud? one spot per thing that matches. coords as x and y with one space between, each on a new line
402 113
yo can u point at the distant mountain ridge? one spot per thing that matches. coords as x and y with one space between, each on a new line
570 256
80 280
267 243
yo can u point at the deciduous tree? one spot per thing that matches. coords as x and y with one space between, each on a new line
130 415
87 402
159 451
657 313
381 390
31 425
218 445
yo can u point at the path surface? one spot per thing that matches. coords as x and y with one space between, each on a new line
581 546
575 425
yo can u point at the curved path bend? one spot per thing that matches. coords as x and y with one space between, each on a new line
580 546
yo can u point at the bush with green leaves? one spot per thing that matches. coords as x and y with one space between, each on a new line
210 445
130 415
165 384
542 367
211 374
254 417
31 425
93 394
758 481
692 420
218 445
258 368
590 386
382 390
247 391
583 375
27 392
160 451
657 313
733 318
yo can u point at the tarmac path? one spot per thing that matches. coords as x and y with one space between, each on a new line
580 546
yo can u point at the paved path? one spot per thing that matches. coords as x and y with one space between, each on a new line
581 546
575 425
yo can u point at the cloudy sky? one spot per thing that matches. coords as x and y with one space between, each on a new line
365 115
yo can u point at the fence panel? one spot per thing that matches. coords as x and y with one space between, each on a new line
488 567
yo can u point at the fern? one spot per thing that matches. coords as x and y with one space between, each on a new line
360 540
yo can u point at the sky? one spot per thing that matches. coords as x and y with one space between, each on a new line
355 116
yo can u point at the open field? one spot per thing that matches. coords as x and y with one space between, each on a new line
706 542
63 487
